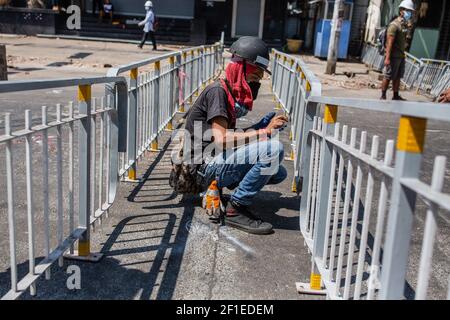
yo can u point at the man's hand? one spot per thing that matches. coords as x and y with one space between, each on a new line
444 97
277 122
387 61
264 122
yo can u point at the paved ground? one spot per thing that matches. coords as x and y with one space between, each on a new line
158 245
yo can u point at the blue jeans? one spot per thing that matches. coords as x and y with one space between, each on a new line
248 169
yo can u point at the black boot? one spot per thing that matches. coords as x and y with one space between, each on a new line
240 217
398 97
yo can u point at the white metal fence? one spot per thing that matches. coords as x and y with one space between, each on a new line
159 87
413 66
85 179
292 84
97 140
430 74
357 207
443 82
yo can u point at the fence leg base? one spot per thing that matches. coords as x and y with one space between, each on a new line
92 257
291 157
305 288
130 180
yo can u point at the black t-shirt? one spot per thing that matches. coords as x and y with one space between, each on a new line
211 103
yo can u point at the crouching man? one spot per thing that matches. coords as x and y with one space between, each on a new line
246 168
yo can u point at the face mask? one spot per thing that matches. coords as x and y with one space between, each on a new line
254 86
407 15
241 110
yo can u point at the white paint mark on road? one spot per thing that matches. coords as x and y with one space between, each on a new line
236 242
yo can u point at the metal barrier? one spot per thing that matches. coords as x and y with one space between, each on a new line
413 66
430 74
371 57
357 210
442 84
92 190
292 84
163 87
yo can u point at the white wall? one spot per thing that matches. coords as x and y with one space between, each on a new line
373 19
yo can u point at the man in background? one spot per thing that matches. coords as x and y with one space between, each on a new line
148 24
107 10
394 59
96 5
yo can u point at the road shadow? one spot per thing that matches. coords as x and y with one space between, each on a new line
268 203
148 268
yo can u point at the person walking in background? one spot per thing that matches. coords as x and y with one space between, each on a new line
394 58
148 24
107 10
97 4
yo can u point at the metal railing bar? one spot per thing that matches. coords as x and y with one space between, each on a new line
426 110
427 192
376 164
30 85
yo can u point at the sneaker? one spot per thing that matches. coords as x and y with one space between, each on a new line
383 98
240 217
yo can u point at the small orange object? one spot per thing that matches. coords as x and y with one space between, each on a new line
211 200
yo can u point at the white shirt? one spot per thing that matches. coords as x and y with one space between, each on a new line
148 21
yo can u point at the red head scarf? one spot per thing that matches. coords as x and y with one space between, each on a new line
241 91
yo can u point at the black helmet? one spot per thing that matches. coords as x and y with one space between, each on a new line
253 50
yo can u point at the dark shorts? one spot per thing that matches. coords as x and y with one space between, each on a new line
396 70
